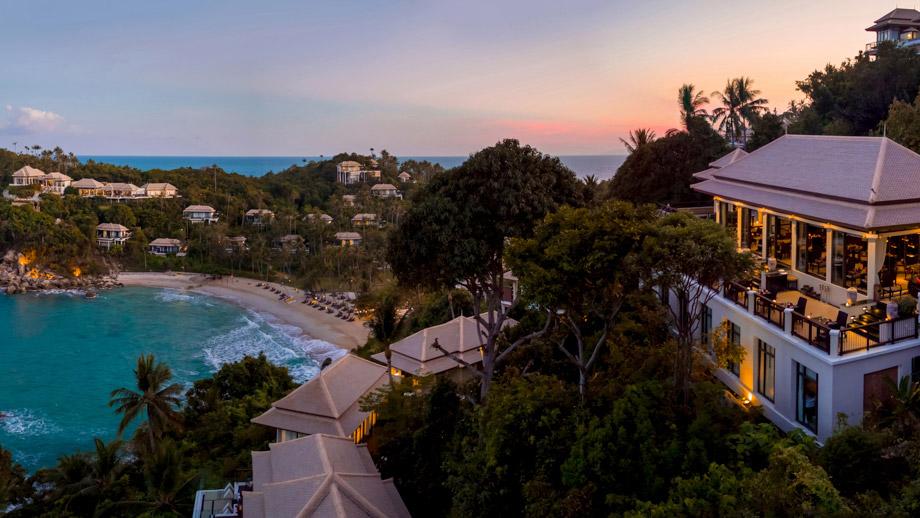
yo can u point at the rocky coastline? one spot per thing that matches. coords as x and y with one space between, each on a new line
20 274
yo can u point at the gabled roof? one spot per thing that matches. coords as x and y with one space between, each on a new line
112 227
345 236
729 158
119 186
158 186
165 241
319 476
87 183
364 217
899 16
57 176
328 403
415 354
28 172
858 182
199 208
383 187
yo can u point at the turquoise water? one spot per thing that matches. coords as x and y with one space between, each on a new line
602 166
61 356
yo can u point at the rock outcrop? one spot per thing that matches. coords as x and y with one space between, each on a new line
19 274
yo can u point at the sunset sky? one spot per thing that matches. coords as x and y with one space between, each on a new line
416 77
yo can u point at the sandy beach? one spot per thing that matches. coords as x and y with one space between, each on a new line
243 292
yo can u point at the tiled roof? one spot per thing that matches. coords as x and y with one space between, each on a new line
319 476
729 158
199 208
343 236
165 241
112 227
383 187
87 183
28 172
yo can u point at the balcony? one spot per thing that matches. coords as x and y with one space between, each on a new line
809 320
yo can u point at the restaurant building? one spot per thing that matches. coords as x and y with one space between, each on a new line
829 315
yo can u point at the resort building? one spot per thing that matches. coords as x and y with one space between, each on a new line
329 403
27 175
364 220
510 289
55 183
385 190
830 315
324 218
347 238
111 234
258 217
200 214
900 27
349 172
165 246
319 476
89 188
121 191
404 177
289 243
160 190
415 355
235 244
348 200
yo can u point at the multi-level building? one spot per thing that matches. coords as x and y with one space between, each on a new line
258 217
200 214
830 315
111 234
349 172
385 190
901 27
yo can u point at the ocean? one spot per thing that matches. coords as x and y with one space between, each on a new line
601 166
62 355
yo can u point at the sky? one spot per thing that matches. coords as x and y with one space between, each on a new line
415 77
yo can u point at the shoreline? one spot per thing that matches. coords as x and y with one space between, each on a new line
242 291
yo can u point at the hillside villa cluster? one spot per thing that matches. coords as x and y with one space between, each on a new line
57 183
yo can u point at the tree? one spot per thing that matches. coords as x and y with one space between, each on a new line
765 128
638 139
691 103
689 257
456 229
14 487
154 398
903 124
580 264
740 104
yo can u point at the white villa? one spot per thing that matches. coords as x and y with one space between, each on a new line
414 355
836 223
121 191
901 26
52 182
200 214
349 172
160 190
328 403
347 238
111 234
385 190
364 219
27 175
348 200
325 218
235 244
404 177
89 188
165 246
258 217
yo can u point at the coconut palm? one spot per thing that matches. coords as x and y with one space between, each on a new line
104 469
168 485
691 103
638 138
154 398
740 105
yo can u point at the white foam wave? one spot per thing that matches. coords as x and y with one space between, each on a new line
62 292
282 344
25 422
168 295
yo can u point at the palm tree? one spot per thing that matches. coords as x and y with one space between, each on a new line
691 103
167 484
158 400
638 138
105 467
740 106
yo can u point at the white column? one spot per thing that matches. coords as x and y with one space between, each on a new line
787 320
763 234
834 347
794 257
750 300
829 255
872 263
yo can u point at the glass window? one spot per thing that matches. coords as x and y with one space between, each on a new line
902 261
850 254
766 370
779 239
915 369
751 230
705 325
811 250
729 219
734 337
806 408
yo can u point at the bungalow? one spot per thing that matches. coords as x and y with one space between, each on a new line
325 218
835 224
27 175
55 182
348 200
258 217
165 246
328 403
319 476
364 220
415 355
111 234
160 190
89 187
121 191
289 243
404 177
200 214
347 238
349 172
235 244
385 190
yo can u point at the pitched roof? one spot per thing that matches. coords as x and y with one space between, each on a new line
120 186
199 208
415 354
404 174
383 187
859 182
729 158
57 176
158 186
87 183
899 16
345 236
328 403
165 241
364 217
259 212
319 476
112 227
28 172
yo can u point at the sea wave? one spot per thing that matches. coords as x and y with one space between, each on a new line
282 344
26 422
168 295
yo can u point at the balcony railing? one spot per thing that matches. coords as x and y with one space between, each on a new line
770 311
818 335
735 292
875 334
